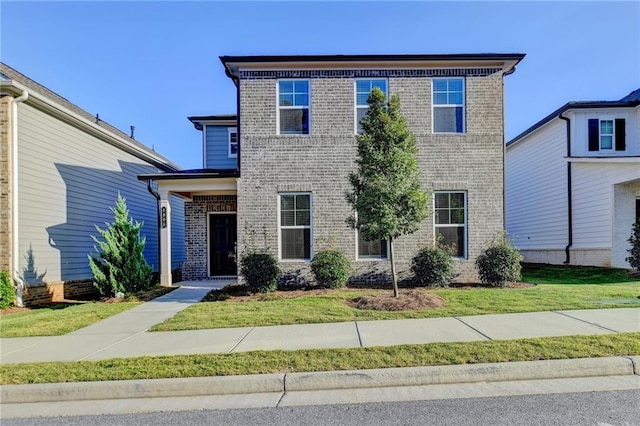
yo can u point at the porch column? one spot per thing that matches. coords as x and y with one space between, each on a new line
165 239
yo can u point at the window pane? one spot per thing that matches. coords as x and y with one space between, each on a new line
457 200
606 127
286 86
372 249
303 218
294 121
233 148
440 98
296 243
455 98
302 99
287 218
457 216
286 99
380 84
606 142
442 217
301 86
447 120
455 84
440 85
361 98
363 86
287 202
452 237
360 112
442 200
302 202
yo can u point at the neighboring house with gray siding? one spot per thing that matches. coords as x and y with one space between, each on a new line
573 184
279 169
70 168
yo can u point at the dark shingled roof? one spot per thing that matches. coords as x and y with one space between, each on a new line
36 87
631 100
193 174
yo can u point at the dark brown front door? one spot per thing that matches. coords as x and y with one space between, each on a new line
222 244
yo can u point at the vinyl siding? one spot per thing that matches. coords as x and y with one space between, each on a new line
579 120
217 148
67 182
536 189
593 198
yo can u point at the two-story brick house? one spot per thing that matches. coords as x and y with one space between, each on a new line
277 172
573 183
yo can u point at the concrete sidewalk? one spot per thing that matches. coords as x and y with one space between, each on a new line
124 335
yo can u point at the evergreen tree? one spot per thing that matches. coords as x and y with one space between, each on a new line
386 198
119 265
634 251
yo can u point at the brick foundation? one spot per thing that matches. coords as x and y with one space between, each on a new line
58 291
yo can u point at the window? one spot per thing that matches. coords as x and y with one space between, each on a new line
450 220
372 250
233 142
448 105
295 226
606 135
363 88
293 107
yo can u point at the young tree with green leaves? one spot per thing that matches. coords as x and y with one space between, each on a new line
634 251
386 199
119 265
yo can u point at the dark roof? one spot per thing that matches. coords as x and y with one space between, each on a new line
631 100
222 119
36 87
192 174
368 58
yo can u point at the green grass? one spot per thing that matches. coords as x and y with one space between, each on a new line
261 362
559 288
58 319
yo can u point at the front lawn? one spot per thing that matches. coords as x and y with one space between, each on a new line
559 288
262 362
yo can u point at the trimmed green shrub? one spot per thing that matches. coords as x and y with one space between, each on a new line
634 251
7 290
499 263
433 267
119 265
261 272
331 268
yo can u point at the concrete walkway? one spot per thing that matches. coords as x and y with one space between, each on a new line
124 335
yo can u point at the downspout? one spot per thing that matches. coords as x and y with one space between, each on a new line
567 251
236 80
14 197
157 196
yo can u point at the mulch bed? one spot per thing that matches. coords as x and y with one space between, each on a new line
407 300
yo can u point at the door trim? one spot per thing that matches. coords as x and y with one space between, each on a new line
209 237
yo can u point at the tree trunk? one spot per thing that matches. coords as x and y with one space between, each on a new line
394 276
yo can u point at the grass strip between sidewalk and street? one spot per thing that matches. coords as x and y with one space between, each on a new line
262 362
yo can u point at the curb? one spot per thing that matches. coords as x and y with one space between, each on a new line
351 379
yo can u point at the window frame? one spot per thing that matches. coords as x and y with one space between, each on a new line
465 225
612 135
310 226
370 259
463 105
292 107
230 131
355 99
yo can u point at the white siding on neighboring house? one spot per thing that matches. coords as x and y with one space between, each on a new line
536 189
67 182
593 201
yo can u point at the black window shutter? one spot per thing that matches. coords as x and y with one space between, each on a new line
620 136
594 134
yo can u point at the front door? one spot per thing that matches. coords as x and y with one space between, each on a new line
222 244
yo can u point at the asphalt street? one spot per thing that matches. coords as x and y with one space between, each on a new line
619 408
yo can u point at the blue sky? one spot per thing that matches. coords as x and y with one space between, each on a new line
152 64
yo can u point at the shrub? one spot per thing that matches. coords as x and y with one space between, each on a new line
499 263
634 251
7 290
433 267
119 265
260 271
331 268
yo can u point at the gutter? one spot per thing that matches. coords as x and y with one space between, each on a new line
567 249
14 198
157 197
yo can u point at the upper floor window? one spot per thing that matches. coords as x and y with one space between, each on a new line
607 135
448 105
295 226
450 220
293 107
363 88
233 142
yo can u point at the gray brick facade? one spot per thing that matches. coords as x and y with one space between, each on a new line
319 163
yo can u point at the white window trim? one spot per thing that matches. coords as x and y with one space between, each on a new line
209 240
310 194
370 259
231 130
278 107
355 99
463 105
613 135
466 218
